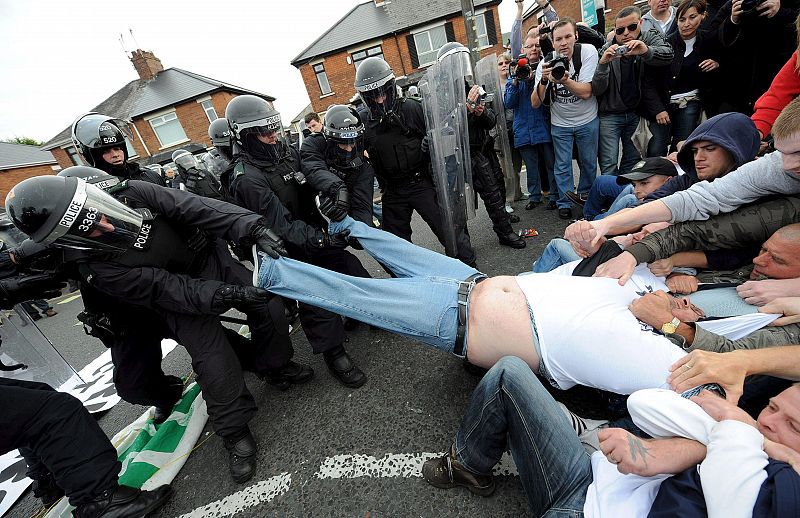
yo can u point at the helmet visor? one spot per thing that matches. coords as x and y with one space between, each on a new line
97 131
186 161
380 99
96 221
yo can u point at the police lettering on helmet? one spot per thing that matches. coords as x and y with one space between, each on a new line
256 126
375 84
93 134
93 176
344 127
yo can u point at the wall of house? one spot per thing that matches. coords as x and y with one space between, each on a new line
572 9
341 74
11 177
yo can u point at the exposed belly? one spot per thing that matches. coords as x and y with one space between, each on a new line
499 324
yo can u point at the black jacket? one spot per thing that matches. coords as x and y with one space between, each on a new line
393 142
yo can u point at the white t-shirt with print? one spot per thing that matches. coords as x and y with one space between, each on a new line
568 110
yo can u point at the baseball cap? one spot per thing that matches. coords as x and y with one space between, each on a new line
648 167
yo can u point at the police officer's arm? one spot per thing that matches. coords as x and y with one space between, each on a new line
219 218
153 288
361 194
314 167
414 116
254 192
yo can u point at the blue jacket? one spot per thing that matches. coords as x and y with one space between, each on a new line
531 125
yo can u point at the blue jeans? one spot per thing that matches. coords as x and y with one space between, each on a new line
613 128
586 138
420 303
531 154
602 194
683 122
510 407
624 200
557 252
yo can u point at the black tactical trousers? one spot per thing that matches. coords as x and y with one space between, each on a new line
399 203
214 356
487 178
325 330
56 434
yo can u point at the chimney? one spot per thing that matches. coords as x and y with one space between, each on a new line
147 65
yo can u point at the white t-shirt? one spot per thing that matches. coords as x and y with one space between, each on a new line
569 110
588 336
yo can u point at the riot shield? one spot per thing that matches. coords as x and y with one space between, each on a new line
444 100
487 76
26 354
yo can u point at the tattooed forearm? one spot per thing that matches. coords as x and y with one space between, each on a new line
638 449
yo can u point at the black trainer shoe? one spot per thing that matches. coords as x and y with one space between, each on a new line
124 502
513 218
446 473
565 213
343 369
242 457
45 489
292 373
577 199
551 205
532 205
512 239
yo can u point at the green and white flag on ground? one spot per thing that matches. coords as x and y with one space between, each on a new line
152 455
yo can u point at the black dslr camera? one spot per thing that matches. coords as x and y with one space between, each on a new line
521 69
559 64
749 6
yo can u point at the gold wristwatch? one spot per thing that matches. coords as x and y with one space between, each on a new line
670 326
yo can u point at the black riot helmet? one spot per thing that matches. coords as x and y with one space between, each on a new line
344 128
94 133
70 213
457 51
92 175
376 86
220 134
184 160
251 117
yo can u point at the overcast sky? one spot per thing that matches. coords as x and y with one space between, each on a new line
61 58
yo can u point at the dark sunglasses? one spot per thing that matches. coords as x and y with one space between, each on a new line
632 27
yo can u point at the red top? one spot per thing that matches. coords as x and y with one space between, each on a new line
784 88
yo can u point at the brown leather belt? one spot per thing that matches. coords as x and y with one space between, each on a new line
464 288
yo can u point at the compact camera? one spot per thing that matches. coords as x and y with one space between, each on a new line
622 50
483 98
558 63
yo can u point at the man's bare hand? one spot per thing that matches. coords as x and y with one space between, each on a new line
610 54
769 8
698 367
707 65
621 267
721 409
682 283
586 236
787 306
782 453
653 309
636 48
763 292
474 104
662 118
630 453
662 267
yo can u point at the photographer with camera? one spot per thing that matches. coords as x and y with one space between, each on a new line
531 125
563 81
617 83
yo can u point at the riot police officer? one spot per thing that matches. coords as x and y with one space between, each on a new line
339 149
395 129
487 176
101 141
197 181
139 252
267 179
220 134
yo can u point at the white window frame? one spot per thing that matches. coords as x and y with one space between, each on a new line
367 54
209 110
322 91
165 119
485 35
426 31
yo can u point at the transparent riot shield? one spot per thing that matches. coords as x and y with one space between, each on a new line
444 100
26 354
487 76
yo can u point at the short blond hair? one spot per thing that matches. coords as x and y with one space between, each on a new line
788 122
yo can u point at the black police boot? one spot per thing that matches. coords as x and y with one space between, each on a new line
241 456
342 367
161 413
512 239
290 374
124 502
45 489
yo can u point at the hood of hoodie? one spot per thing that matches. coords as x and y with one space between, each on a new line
734 132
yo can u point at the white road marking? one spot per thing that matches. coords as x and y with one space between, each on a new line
237 502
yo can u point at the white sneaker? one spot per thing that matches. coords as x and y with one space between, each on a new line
586 429
509 208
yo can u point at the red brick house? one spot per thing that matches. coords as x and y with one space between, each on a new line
572 9
167 109
406 33
19 161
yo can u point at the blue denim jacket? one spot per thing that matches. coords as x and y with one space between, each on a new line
531 125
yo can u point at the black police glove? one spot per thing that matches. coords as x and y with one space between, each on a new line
353 242
14 290
268 241
425 145
240 297
333 241
335 207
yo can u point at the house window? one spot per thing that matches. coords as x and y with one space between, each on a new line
208 107
131 150
361 55
428 44
168 129
480 28
322 79
73 155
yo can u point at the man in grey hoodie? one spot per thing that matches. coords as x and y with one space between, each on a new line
617 85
